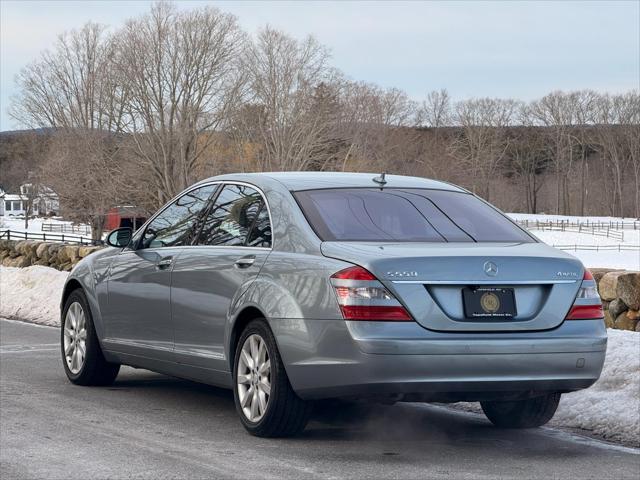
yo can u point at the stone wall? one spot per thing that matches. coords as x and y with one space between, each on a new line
620 293
56 255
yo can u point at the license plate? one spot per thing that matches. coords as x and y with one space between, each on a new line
489 302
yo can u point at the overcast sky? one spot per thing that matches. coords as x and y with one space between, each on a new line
506 49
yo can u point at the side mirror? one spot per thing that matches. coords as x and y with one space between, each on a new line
120 237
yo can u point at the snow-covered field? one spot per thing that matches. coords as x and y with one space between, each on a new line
582 244
35 226
609 409
627 259
543 217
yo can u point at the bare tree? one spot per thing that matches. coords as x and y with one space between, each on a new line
30 191
630 123
585 103
435 111
181 72
376 127
289 113
527 159
611 113
87 194
556 111
71 87
481 145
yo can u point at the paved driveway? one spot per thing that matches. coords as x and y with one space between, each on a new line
151 426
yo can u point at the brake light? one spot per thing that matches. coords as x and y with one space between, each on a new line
362 297
585 312
354 273
587 305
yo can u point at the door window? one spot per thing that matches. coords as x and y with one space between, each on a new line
237 218
260 235
175 226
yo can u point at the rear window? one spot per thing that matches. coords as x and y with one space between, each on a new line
405 215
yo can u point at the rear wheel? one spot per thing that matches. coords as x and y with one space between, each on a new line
265 401
82 356
533 412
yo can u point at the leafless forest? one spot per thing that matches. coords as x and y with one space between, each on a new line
134 115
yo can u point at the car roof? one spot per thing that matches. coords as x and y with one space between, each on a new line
316 180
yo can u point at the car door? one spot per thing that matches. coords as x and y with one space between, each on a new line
138 316
233 244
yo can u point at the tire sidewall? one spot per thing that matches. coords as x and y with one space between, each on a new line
260 328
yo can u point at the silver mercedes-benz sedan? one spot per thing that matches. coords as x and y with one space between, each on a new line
294 287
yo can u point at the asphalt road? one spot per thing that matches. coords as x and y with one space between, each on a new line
151 426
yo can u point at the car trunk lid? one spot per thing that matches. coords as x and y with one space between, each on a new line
429 278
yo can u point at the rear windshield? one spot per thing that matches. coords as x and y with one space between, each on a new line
405 215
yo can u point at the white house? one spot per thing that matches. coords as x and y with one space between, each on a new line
14 205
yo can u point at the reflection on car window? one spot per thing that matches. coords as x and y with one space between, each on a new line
237 218
175 226
409 215
260 235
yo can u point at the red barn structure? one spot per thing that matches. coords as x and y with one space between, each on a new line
124 216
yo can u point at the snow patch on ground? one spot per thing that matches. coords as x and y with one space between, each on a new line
611 407
31 294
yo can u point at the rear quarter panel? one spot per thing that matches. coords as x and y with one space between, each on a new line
295 285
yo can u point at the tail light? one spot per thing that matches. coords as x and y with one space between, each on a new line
587 305
362 297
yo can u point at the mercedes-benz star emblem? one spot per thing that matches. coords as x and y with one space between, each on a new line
490 269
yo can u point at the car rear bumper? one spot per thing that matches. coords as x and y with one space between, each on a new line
333 358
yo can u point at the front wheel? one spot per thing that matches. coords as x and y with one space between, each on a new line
82 356
530 413
265 401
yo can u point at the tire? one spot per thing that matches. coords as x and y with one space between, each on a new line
285 414
530 413
92 368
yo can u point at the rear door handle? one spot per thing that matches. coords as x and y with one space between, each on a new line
245 262
164 263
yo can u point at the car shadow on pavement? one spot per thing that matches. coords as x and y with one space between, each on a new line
336 420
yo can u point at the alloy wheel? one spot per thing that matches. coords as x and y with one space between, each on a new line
75 337
254 378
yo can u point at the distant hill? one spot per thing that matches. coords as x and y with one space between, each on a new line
37 131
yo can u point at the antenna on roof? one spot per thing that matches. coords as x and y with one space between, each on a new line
380 180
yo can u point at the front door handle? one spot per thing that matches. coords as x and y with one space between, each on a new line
164 263
245 262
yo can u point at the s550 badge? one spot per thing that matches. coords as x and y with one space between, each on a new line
402 274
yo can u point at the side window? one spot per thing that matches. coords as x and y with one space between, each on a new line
175 226
260 235
231 219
